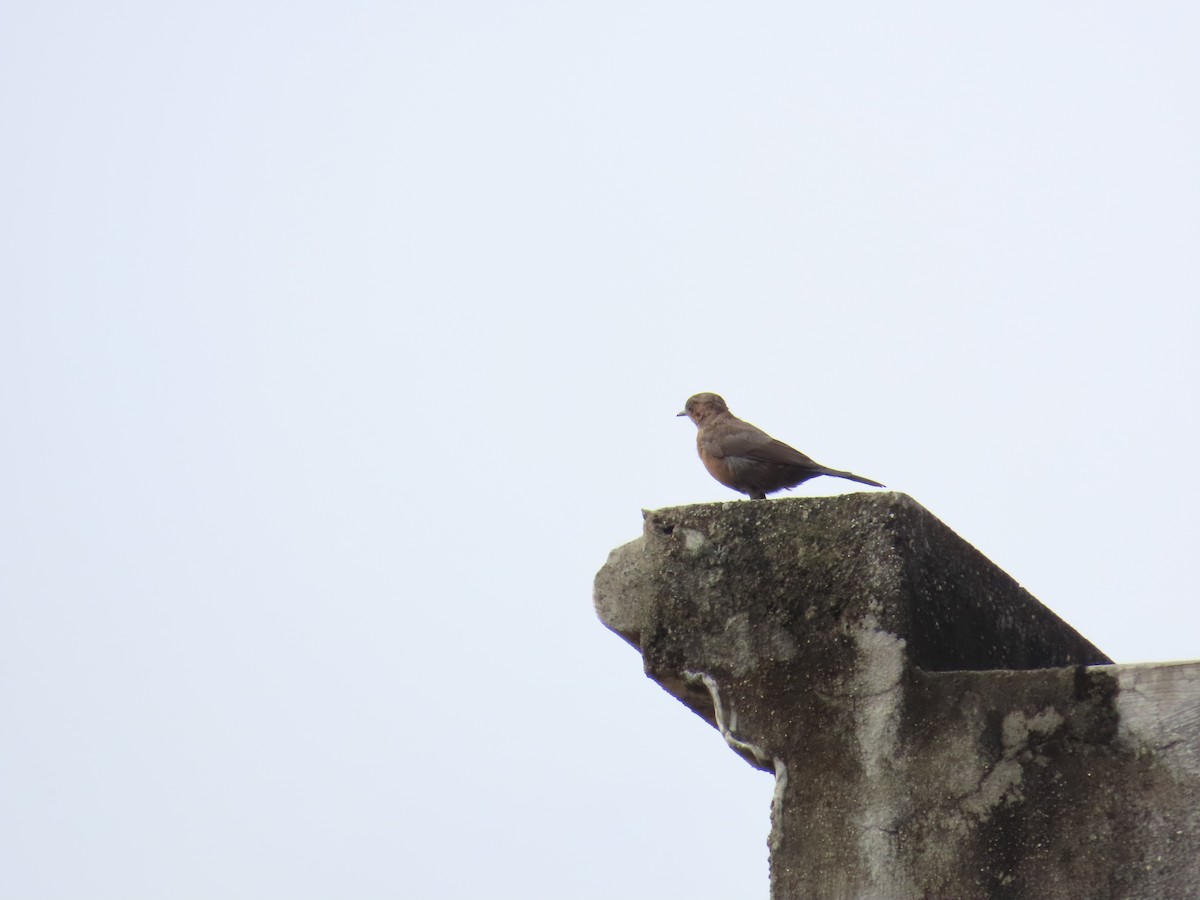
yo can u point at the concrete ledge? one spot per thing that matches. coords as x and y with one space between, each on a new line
851 645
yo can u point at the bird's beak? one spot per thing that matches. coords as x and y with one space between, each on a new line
678 414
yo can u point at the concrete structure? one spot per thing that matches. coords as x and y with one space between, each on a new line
934 731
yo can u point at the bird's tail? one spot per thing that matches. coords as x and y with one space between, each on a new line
852 477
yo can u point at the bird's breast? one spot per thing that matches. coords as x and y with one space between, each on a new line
718 467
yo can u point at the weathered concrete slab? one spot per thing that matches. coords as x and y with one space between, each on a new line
1059 783
850 645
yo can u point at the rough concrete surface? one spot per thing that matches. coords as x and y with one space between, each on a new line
935 731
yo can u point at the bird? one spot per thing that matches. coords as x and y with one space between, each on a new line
746 458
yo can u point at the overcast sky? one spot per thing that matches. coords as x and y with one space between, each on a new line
340 342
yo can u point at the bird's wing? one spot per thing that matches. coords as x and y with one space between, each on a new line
737 438
779 452
746 441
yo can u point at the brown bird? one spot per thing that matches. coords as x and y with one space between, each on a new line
746 458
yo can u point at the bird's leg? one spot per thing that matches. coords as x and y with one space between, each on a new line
759 496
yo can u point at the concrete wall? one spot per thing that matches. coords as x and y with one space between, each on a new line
935 732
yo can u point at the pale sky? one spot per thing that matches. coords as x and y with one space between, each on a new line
341 342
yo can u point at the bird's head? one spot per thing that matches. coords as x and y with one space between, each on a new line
701 407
